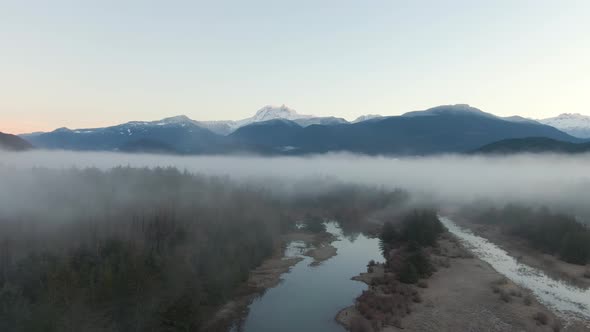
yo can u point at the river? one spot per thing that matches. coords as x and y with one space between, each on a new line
309 297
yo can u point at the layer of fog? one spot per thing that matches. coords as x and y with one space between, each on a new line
554 180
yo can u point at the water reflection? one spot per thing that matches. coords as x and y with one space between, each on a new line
309 297
566 300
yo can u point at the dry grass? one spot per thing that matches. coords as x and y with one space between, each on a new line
359 324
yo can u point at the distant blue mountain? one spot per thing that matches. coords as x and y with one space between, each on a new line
13 143
180 134
443 129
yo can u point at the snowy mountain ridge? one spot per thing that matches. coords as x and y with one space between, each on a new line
575 124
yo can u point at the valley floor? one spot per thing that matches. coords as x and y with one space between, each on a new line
577 275
268 275
468 295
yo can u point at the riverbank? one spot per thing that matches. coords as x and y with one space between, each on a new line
464 294
577 275
268 275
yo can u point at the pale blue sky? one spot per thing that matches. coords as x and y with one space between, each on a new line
94 63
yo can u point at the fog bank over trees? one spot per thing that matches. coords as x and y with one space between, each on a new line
129 242
558 181
138 249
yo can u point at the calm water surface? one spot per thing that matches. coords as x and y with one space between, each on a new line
309 297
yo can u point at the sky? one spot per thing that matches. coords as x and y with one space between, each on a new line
83 64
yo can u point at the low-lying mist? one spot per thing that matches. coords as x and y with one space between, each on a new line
129 242
559 181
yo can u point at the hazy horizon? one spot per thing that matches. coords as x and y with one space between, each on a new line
83 65
249 116
448 179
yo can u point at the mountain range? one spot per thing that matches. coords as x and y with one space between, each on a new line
13 143
280 130
269 113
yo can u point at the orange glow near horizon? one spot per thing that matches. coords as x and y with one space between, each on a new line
16 128
13 129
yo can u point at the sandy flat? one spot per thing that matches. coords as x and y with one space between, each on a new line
467 296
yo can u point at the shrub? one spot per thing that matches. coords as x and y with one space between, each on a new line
359 324
504 296
541 318
445 262
528 300
501 281
417 298
421 262
408 274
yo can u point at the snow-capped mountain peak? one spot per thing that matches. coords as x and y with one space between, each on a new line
367 117
575 124
273 112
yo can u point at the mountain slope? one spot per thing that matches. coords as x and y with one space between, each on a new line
145 145
443 129
575 124
274 135
13 143
533 145
180 133
325 121
268 113
367 117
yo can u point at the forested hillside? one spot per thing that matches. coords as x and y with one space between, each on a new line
143 250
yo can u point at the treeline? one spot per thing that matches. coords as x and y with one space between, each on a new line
349 204
129 249
407 246
143 249
418 230
553 233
